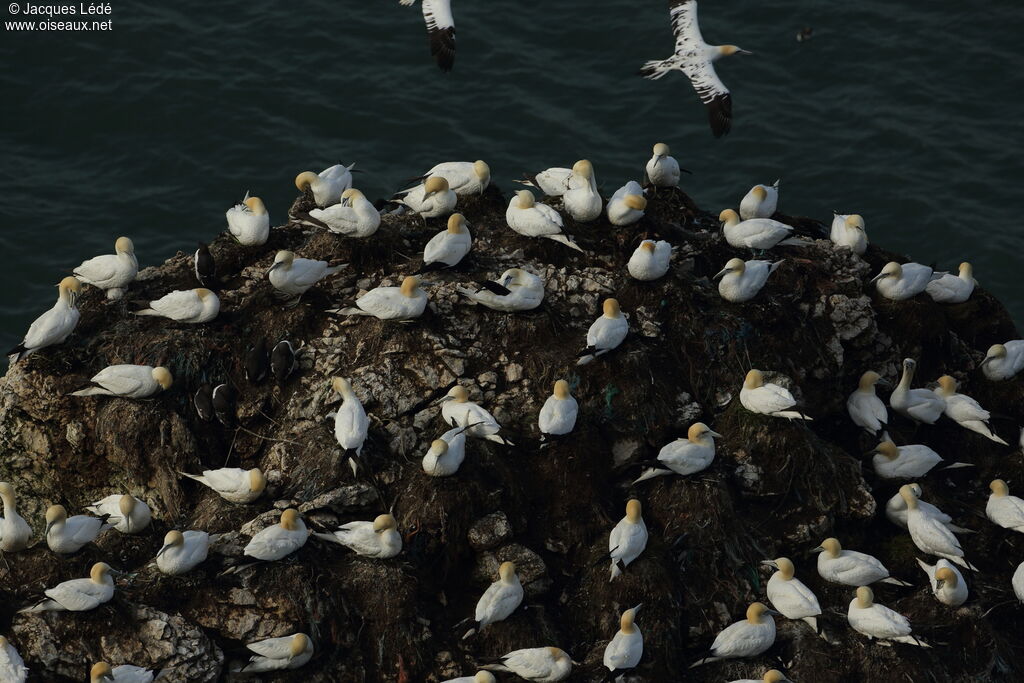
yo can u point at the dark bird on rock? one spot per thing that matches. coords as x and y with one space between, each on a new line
257 362
282 361
224 405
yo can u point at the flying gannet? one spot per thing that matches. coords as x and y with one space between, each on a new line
538 664
606 333
379 539
1003 361
515 290
650 261
192 306
403 303
437 14
865 408
499 600
964 410
768 399
54 326
233 484
747 638
628 539
850 567
757 233
249 221
627 204
448 247
662 169
899 282
878 621
742 280
279 654
848 231
685 456
624 650
128 514
353 216
66 535
464 177
128 381
279 540
12 666
760 201
292 276
920 405
325 187
1003 509
182 552
111 272
102 672
953 289
948 585
458 411
530 219
78 595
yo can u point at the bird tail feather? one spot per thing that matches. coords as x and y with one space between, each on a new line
792 415
92 391
567 241
655 68
651 473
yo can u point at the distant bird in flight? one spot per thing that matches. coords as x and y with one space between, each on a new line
440 29
696 59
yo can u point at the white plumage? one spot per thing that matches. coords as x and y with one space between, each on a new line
538 664
354 216
953 289
1003 361
848 231
182 551
326 186
1018 582
626 647
448 247
896 511
582 200
627 204
54 326
627 539
662 169
446 453
1003 509
865 408
128 381
437 15
878 621
351 425
685 456
742 280
15 532
458 411
650 261
850 567
899 282
903 462
525 292
78 595
185 306
964 410
279 654
919 405
760 201
293 276
479 677
789 595
757 396
431 199
605 333
233 484
464 177
379 539
500 599
279 540
554 182
757 233
391 303
128 514
249 221
948 585
747 638
111 272
12 666
530 219
930 535
558 414
66 535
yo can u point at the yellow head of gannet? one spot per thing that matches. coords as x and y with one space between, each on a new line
55 514
283 259
124 245
99 572
944 575
633 510
484 677
561 389
635 201
753 380
525 199
661 150
290 519
611 308
458 393
756 612
774 676
865 597
868 381
101 673
733 265
966 270
698 431
507 572
648 245
433 185
831 547
558 654
909 496
482 171
728 218
300 641
729 50
995 351
456 224
305 179
760 194
626 621
172 539
410 286
999 488
342 386
126 504
888 449
163 377
584 168
947 386
6 492
439 446
69 290
891 269
349 195
257 481
855 221
384 522
255 205
203 293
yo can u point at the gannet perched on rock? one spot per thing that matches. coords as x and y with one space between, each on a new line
878 621
54 326
326 186
111 272
558 414
292 276
964 410
182 552
849 567
431 199
790 596
353 216
662 169
696 59
1003 361
437 14
499 600
650 261
128 514
948 585
350 422
233 484
742 280
899 282
929 534
624 650
249 221
920 405
685 456
446 453
582 200
102 672
458 411
757 233
539 664
556 181
12 666
865 408
192 306
770 676
768 399
1018 582
479 677
448 247
515 290
747 638
606 333
402 303
760 201
66 535
530 219
15 532
128 381
279 654
896 511
627 204
280 540
903 462
848 231
464 177
78 595
628 539
1003 509
953 289
379 538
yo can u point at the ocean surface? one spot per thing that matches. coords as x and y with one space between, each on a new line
903 112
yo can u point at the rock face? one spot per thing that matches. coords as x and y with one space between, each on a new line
775 488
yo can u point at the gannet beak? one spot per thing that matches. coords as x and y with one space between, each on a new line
274 267
744 52
49 525
819 549
883 382
425 283
720 273
161 551
774 612
575 663
939 583
716 435
347 201
987 360
876 278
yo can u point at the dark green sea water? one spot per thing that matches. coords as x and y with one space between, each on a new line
905 112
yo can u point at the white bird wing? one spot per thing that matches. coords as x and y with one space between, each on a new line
77 595
178 305
886 623
774 398
50 326
459 174
359 536
306 272
964 409
946 287
351 420
531 664
83 529
126 673
336 215
98 268
441 29
123 379
761 228
498 601
685 27
383 302
227 479
273 648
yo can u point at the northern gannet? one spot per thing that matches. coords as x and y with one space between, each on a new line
185 306
464 177
354 216
896 511
627 204
437 15
1003 361
225 405
953 289
448 247
964 410
351 424
292 276
662 169
283 361
15 532
128 381
499 600
878 621
768 399
903 462
233 484
685 456
696 59
128 514
279 540
446 453
379 538
458 411
556 181
479 677
530 219
279 654
558 414
628 539
431 199
325 187
929 534
849 567
102 672
204 267
12 666
650 261
790 596
1003 509
1018 582
920 405
582 200
770 676
78 595
757 233
111 272
948 585
606 333
747 638
899 282
760 201
182 552
515 290
742 280
865 408
848 231
538 664
66 535
54 326
624 650
249 221
391 303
